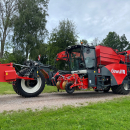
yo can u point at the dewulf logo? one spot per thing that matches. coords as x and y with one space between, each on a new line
118 71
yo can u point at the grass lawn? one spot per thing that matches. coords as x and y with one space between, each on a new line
6 88
111 115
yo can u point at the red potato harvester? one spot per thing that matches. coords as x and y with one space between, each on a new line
100 68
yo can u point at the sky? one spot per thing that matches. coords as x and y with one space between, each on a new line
92 18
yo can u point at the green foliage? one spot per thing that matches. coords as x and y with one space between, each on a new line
61 37
111 115
8 9
62 65
15 57
40 49
19 56
85 42
7 58
29 25
116 42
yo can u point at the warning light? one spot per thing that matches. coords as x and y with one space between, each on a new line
81 43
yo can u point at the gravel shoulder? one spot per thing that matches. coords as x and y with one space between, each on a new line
53 100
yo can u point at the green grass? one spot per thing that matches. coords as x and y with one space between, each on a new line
6 88
111 115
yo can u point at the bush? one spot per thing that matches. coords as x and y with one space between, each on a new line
15 57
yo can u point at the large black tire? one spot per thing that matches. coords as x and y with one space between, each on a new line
29 88
95 90
114 89
15 88
121 89
106 90
20 73
68 89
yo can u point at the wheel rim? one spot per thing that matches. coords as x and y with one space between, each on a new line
126 87
31 86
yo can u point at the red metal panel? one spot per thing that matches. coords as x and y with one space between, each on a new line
128 52
119 71
6 67
106 55
61 56
10 75
122 57
106 61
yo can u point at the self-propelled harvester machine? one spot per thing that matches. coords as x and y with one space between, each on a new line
98 67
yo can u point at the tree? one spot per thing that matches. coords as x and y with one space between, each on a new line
124 44
85 42
30 25
95 42
8 8
40 50
61 37
116 42
15 57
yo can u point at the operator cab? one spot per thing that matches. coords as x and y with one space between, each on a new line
81 57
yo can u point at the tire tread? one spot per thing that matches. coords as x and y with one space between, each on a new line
18 89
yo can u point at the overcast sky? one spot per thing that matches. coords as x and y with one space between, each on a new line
93 18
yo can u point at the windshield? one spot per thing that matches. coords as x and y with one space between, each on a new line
76 59
89 57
